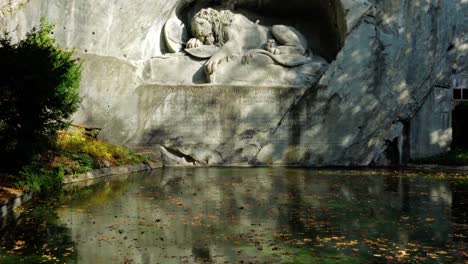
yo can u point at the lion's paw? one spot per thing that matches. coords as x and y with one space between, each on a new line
247 57
194 43
274 51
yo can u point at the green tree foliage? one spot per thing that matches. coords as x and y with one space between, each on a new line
38 94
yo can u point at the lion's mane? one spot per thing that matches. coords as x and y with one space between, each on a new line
220 22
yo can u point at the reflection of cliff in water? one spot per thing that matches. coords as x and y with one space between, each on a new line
216 215
268 215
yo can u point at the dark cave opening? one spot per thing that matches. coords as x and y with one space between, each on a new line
460 126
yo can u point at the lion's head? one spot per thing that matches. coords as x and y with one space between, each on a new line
210 26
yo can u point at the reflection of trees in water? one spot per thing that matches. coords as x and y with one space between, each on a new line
93 195
37 236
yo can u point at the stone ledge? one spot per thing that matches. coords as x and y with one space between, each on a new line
9 204
109 171
434 167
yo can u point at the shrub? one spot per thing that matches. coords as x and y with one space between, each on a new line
87 150
37 178
38 94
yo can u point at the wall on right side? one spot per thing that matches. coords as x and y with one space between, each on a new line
431 131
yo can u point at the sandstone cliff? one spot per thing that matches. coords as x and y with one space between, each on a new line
384 98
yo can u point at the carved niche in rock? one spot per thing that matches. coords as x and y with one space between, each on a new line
239 51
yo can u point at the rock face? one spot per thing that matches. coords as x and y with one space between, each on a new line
373 105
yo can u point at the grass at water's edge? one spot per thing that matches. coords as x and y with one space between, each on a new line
74 153
455 157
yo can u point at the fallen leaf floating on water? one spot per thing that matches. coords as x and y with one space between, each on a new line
19 244
347 243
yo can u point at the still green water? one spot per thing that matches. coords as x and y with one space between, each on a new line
265 215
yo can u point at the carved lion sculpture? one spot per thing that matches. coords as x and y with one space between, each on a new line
228 34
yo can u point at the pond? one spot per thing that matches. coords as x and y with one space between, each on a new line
240 215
